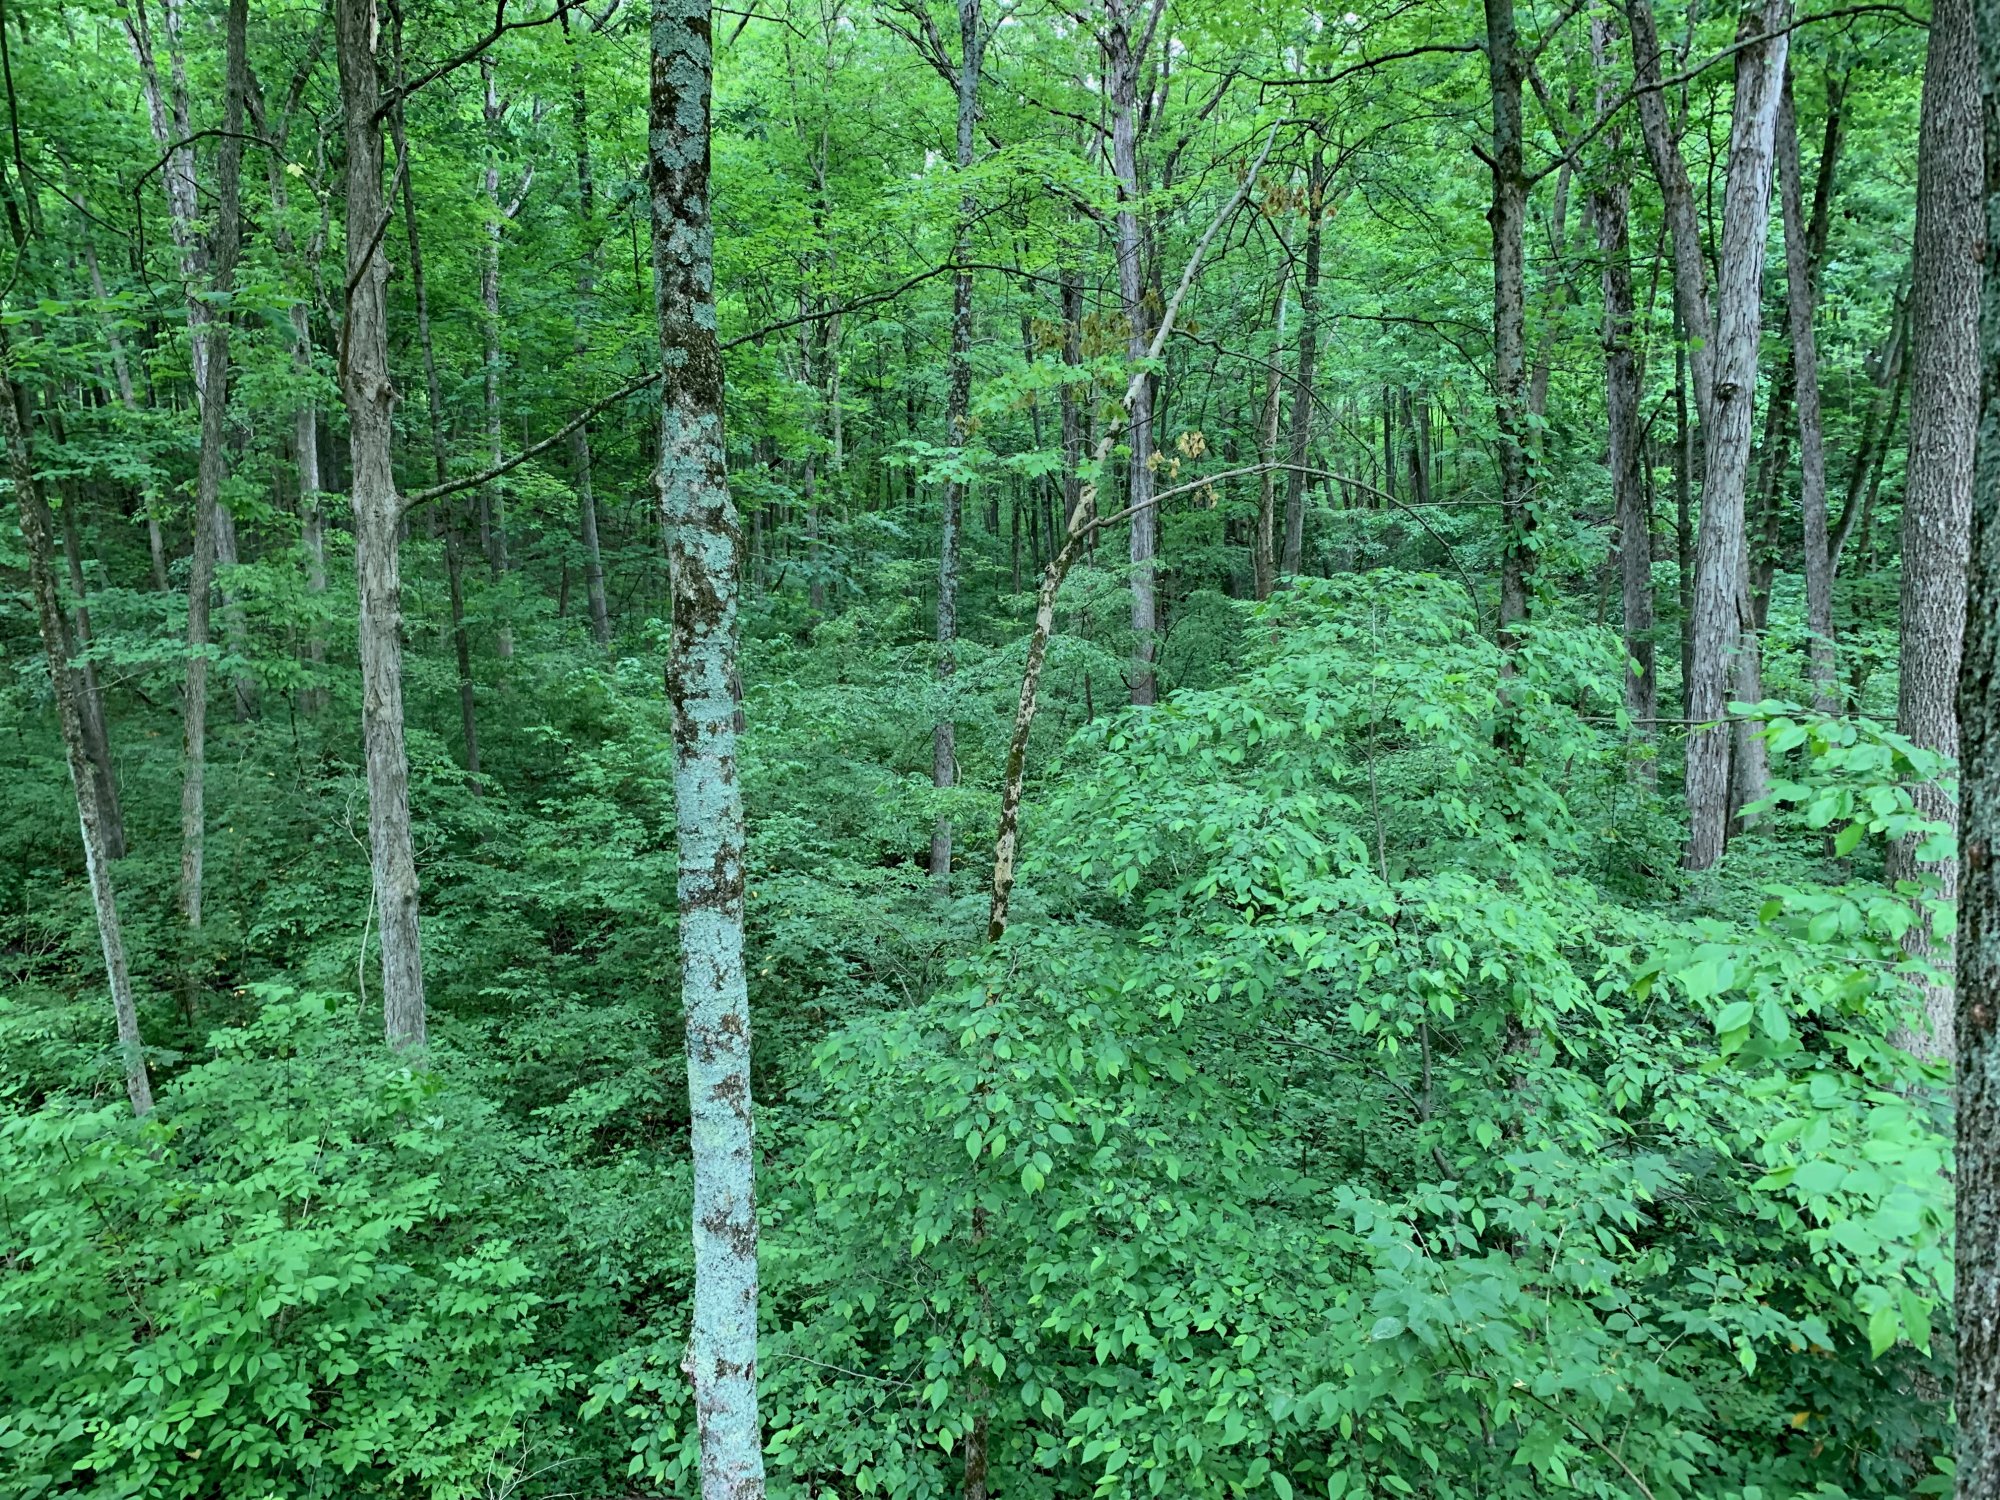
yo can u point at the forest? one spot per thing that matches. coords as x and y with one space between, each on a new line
999 749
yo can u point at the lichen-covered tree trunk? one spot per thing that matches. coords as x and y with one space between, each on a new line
370 399
1977 1009
38 534
1610 206
704 564
1721 589
1944 413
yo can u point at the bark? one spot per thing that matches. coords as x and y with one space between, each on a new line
1263 549
958 414
1508 214
1801 301
586 291
1944 413
493 498
1683 511
89 694
453 518
1724 639
1069 404
721 1358
1417 428
1977 1181
1125 59
370 398
214 351
38 535
1610 209
1690 265
1876 433
1299 433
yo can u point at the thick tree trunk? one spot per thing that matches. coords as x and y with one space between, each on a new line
1723 633
957 416
1944 413
1801 301
721 1358
370 398
1508 216
1610 209
1299 435
39 537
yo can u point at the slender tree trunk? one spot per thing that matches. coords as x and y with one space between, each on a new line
1723 632
38 535
1125 59
214 351
370 398
1264 544
721 1358
1610 208
1683 513
958 414
493 502
1416 430
453 519
1876 433
1977 1181
1801 300
1069 403
89 695
1299 435
1508 215
586 291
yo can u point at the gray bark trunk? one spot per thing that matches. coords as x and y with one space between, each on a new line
1264 544
1724 639
586 292
706 546
1125 58
370 397
38 535
1508 216
1944 415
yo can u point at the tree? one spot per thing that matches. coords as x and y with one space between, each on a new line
370 398
1722 628
1944 406
705 568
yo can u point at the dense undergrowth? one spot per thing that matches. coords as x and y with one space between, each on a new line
1354 1108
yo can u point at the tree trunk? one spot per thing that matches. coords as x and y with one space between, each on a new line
1610 208
370 398
1299 435
38 535
1876 433
1508 214
89 695
452 520
1944 415
1264 544
1069 404
1801 301
1723 633
1977 1280
493 499
1125 59
721 1358
214 351
958 414
1683 512
586 290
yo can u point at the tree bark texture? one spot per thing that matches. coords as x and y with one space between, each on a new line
586 294
1508 216
370 399
1721 632
1299 432
38 534
705 547
1944 414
